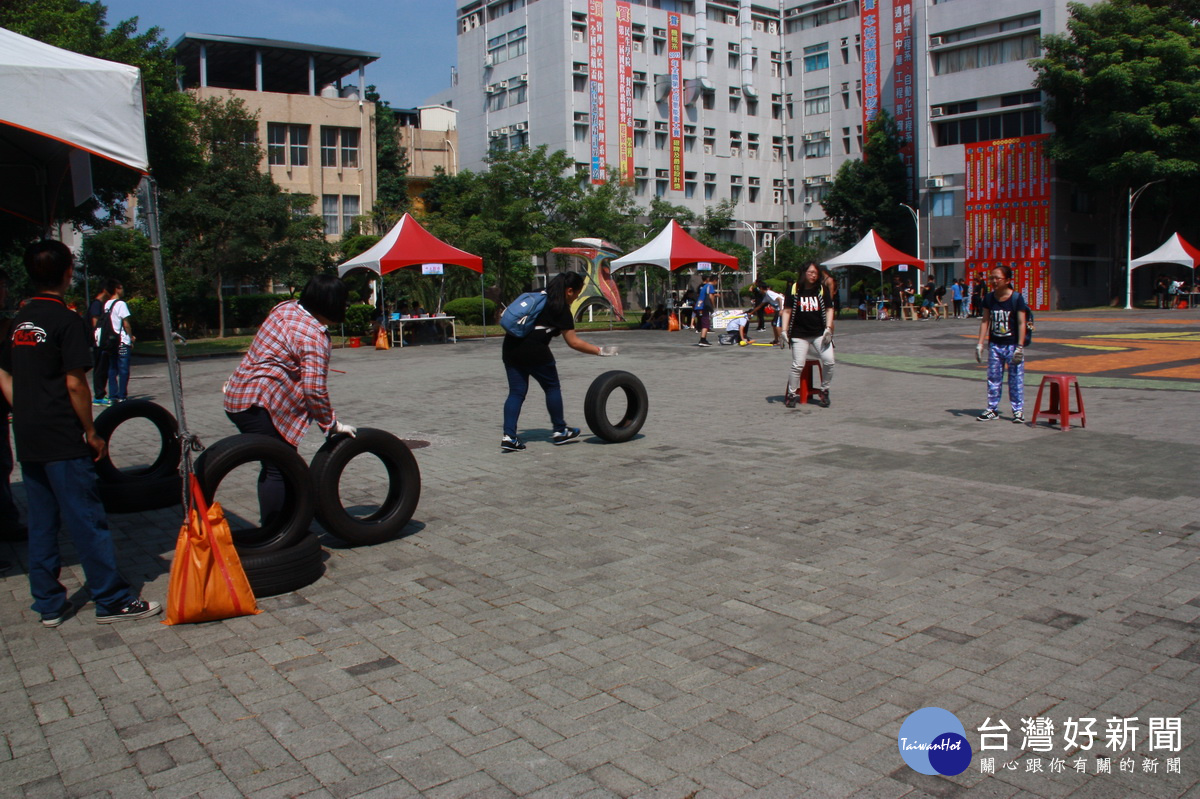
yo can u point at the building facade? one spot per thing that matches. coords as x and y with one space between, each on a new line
317 132
699 101
429 138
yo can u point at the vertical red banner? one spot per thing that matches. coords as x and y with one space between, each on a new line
870 61
675 68
625 91
596 85
903 83
1008 212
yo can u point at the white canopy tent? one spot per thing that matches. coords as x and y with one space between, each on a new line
1174 250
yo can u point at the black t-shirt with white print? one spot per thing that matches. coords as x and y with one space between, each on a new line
808 311
1002 318
47 341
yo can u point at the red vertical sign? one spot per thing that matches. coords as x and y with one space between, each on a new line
1008 213
870 60
596 83
625 91
675 68
902 81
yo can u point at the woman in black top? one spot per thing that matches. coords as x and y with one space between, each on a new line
808 320
530 356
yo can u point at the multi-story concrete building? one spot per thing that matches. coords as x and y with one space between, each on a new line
429 138
771 99
318 134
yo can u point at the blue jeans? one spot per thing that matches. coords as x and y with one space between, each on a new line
118 374
272 488
518 386
1000 356
66 491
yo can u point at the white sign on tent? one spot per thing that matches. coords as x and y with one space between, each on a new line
431 269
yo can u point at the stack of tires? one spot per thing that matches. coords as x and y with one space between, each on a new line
283 554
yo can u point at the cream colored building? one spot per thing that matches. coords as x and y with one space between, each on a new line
316 130
429 138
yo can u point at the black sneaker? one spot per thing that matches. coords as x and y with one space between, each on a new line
57 618
1018 417
565 436
703 343
823 398
137 609
512 444
987 416
789 399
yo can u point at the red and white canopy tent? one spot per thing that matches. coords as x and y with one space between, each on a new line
673 249
1175 250
873 252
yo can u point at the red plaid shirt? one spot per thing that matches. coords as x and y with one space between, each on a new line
284 372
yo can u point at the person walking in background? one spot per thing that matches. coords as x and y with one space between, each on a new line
43 374
99 355
530 356
956 296
775 300
116 314
705 305
280 386
1002 330
808 322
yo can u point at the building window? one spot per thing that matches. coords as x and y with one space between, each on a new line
329 213
816 57
996 126
276 144
941 203
298 145
507 45
341 142
817 148
660 141
816 101
349 211
660 188
581 132
329 145
987 54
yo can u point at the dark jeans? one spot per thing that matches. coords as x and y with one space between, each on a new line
66 491
99 373
518 386
272 489
118 374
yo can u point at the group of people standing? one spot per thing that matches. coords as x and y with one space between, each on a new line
108 318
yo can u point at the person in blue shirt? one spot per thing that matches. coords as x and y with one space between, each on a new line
705 305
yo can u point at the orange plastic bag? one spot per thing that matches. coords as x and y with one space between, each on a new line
673 322
207 579
381 339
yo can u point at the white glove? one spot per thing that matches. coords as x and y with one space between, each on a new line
826 338
607 351
979 354
340 429
1018 355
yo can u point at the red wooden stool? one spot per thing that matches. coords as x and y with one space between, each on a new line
1060 401
808 387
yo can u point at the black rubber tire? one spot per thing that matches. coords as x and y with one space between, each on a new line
167 462
229 453
285 570
146 494
595 406
397 508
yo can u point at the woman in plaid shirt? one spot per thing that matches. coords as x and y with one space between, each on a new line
279 388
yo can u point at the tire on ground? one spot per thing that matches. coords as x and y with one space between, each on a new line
595 406
216 462
167 462
149 493
284 570
397 508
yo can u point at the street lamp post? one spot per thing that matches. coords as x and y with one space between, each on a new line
753 250
1133 198
917 224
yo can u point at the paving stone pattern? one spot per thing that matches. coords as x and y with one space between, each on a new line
745 600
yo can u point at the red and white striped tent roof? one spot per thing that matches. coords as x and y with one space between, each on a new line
1175 250
409 244
673 249
872 251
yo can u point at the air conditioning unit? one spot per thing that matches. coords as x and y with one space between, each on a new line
751 153
935 183
524 77
502 131
772 28
735 152
731 19
578 35
936 111
809 199
490 89
935 41
489 61
768 239
708 149
503 84
808 136
521 126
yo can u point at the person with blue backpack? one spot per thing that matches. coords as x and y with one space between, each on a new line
530 323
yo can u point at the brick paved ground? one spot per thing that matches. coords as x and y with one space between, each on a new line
744 601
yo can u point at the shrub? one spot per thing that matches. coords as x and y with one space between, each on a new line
145 318
471 310
249 310
359 318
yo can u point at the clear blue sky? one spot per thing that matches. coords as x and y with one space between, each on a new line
414 38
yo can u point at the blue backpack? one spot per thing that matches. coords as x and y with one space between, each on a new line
520 316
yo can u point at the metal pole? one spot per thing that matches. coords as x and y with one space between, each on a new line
753 250
917 224
1133 198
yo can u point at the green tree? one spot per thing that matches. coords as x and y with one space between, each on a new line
1122 89
82 28
233 223
391 167
121 254
607 211
866 194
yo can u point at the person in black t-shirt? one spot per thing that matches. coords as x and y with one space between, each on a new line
43 375
96 315
531 357
1002 330
808 326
